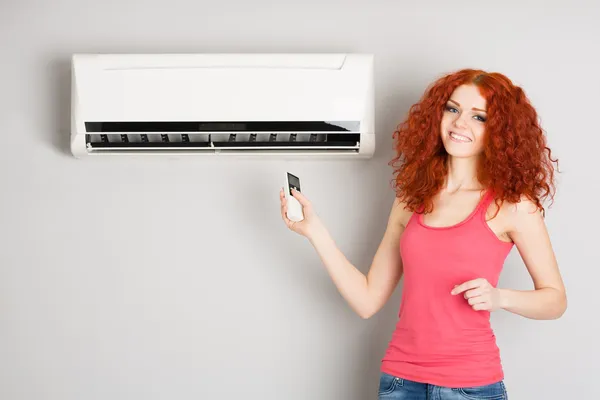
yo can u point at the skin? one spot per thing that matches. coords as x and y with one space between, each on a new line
520 223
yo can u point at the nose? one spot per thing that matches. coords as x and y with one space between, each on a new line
460 121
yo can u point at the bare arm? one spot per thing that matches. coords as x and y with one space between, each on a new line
366 295
548 300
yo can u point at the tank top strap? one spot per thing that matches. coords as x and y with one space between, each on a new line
485 202
415 215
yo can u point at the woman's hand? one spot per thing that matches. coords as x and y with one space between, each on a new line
310 225
480 294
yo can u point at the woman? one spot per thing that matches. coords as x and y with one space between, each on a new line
473 169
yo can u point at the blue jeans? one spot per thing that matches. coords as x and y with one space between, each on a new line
396 388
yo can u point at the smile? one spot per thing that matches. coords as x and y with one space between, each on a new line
459 138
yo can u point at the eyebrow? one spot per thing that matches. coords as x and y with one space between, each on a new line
476 109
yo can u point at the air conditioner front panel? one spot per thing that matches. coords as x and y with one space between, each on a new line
215 94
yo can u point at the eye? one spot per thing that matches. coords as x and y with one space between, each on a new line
480 118
451 109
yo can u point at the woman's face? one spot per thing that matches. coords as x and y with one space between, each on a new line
463 122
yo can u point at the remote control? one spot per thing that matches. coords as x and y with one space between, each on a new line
294 208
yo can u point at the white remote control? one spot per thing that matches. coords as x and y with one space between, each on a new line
294 208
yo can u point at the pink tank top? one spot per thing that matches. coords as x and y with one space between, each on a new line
439 339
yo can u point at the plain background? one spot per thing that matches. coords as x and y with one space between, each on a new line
176 279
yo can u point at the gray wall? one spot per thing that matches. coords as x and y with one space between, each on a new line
176 279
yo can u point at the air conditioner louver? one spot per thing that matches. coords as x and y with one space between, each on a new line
106 137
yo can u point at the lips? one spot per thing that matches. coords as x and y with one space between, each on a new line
459 138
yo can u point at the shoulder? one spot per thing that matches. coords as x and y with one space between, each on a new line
521 215
399 213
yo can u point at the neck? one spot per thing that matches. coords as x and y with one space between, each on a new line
462 174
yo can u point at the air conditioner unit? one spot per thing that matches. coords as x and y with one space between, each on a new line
223 104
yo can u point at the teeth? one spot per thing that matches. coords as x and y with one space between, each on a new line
460 137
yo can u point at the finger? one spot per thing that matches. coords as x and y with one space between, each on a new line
283 216
304 202
477 300
283 199
478 291
466 286
284 213
287 221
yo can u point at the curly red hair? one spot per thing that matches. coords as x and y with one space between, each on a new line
516 161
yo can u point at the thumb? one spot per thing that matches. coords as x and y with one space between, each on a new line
301 199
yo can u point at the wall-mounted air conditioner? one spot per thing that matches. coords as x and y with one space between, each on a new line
223 104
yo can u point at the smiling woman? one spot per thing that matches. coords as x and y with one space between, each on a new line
472 169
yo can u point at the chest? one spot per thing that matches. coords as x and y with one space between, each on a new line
453 210
449 210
